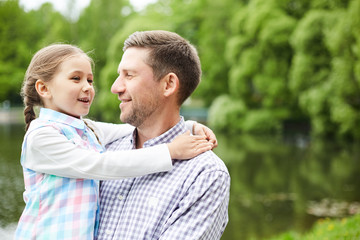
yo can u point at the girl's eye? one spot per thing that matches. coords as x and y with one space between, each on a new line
76 78
90 81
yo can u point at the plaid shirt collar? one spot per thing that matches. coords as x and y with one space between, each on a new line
47 114
166 137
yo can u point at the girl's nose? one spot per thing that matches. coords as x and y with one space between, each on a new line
87 86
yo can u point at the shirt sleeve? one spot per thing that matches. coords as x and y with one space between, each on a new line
109 132
189 124
52 153
203 212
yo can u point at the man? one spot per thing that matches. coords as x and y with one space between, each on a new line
158 72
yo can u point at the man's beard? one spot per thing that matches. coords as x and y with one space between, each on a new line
137 115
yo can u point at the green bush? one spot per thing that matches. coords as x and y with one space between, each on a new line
226 114
329 229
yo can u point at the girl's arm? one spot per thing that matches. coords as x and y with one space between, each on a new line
109 132
48 151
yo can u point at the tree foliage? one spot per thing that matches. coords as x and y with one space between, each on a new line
264 62
294 60
259 54
22 34
323 73
13 47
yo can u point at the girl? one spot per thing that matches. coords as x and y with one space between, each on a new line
62 153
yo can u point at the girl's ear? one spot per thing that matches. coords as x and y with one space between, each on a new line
42 89
171 84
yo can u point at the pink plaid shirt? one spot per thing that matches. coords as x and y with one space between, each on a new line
59 207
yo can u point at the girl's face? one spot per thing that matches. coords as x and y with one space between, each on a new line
71 90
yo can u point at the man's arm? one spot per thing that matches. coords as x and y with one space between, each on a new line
203 212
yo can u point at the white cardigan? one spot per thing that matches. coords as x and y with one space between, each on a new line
52 153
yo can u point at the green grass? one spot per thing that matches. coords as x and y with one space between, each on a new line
328 229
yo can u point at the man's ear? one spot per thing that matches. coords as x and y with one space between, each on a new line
171 84
42 89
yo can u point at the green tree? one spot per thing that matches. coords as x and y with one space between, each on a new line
259 54
324 72
214 31
22 34
311 66
50 26
344 45
15 40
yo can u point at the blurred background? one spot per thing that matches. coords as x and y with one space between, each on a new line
280 88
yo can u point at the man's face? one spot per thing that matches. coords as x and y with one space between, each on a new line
136 88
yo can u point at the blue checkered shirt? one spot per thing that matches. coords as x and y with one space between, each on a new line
189 202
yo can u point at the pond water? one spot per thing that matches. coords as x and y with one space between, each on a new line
277 183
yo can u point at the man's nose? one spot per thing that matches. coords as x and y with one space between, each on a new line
118 86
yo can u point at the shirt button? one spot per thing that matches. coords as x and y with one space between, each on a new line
84 137
108 232
120 197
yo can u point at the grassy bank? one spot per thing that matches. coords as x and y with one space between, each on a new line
328 229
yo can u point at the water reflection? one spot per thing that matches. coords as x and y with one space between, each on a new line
11 179
277 184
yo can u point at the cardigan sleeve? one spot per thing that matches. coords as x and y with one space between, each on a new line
49 152
109 132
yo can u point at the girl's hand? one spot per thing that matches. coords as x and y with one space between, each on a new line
200 129
187 146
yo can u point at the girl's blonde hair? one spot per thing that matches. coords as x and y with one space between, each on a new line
44 65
